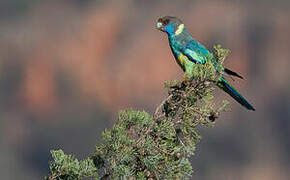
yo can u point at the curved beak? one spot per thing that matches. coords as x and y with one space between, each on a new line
159 26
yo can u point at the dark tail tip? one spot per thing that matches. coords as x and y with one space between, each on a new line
251 108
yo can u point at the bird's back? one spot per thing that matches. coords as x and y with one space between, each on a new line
179 43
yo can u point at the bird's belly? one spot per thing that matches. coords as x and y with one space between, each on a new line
185 64
182 60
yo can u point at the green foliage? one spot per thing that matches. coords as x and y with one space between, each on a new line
220 55
67 167
158 146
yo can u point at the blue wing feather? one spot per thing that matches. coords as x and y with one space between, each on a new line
196 52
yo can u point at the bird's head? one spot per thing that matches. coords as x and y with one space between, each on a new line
170 25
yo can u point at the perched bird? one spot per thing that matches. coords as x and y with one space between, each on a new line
188 52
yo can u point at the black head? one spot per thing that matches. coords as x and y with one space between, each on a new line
170 25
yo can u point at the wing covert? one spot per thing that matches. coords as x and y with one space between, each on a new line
193 56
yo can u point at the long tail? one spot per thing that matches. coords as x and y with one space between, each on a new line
224 85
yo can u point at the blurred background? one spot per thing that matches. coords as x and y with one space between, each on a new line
68 67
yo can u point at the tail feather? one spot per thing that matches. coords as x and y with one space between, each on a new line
224 85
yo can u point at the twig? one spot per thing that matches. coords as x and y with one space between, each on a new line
161 105
155 117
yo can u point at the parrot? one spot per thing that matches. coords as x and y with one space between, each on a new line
188 52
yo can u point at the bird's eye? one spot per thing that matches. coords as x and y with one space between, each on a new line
165 22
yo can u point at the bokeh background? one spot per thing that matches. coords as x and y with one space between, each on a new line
67 67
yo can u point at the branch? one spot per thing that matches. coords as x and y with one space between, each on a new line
157 146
